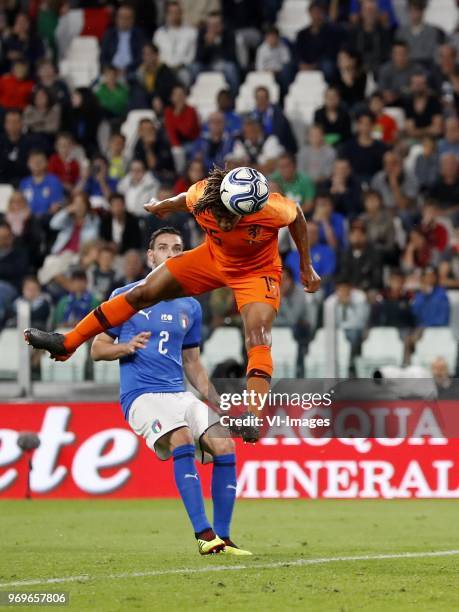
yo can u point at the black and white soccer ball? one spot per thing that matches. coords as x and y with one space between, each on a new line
244 191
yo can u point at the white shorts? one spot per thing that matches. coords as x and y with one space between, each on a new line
152 415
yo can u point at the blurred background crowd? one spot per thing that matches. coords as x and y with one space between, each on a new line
349 107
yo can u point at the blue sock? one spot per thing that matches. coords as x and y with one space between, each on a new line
223 492
189 486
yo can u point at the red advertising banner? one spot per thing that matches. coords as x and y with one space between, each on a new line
88 450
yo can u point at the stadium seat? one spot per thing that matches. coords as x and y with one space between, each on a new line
5 194
284 352
315 362
292 17
410 160
84 48
443 14
72 370
305 95
397 114
9 353
224 343
79 73
382 347
107 372
245 100
130 126
453 297
436 342
203 94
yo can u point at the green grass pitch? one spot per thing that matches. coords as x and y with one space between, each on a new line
100 539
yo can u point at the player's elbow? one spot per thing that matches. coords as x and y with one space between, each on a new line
96 352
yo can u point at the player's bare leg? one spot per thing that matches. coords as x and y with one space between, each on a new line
258 319
157 286
180 443
217 442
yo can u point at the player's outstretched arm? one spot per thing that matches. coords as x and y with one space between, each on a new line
161 208
299 232
104 347
196 373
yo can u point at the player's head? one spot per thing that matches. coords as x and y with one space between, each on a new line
211 201
164 243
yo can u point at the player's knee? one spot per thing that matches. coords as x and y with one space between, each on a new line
179 437
259 334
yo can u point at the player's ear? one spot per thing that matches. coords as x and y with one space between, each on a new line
150 258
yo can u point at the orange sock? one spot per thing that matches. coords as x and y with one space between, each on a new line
108 314
259 372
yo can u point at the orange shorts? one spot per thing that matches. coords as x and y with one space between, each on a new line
197 273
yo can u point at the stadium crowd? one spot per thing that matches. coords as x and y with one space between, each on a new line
383 222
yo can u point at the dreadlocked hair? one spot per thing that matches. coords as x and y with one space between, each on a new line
210 199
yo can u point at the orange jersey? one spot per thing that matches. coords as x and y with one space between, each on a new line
252 245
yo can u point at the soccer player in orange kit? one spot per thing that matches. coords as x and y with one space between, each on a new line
240 252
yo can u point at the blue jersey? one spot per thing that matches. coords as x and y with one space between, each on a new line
174 325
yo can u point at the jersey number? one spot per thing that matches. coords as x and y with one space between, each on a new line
164 337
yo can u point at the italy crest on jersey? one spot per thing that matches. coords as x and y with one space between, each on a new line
184 320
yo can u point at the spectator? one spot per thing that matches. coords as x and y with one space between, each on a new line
116 156
418 252
332 229
101 275
244 19
316 158
77 304
426 166
345 189
273 120
138 187
317 45
395 76
216 50
44 191
386 13
379 226
333 118
255 148
293 184
26 229
14 149
15 87
450 141
447 387
39 302
22 43
369 38
223 308
365 154
96 182
444 73
430 304
196 11
133 269
350 79
433 227
63 163
449 264
385 127
225 104
352 313
213 147
273 55
120 228
422 40
152 147
397 187
360 261
14 264
49 80
122 44
176 42
154 81
392 307
445 190
83 117
76 224
423 110
112 93
195 172
181 122
42 116
323 257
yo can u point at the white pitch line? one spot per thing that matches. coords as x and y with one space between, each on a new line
231 568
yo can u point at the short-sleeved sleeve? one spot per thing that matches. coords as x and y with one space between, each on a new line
193 335
194 193
279 212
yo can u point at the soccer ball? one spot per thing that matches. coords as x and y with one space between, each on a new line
244 191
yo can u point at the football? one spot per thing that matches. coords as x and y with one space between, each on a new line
244 191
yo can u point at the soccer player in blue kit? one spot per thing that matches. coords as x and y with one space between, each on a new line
156 347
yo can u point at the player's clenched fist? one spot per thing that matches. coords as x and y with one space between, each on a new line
309 278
